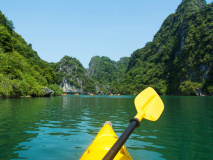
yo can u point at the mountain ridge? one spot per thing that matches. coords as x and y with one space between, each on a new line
178 61
179 56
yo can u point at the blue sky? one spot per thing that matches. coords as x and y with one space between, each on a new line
87 28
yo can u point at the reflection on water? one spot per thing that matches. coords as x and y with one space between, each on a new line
63 127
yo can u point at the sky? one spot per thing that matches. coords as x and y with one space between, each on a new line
87 28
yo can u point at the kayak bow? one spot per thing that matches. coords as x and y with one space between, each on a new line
102 143
148 105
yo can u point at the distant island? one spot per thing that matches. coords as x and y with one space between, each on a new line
177 62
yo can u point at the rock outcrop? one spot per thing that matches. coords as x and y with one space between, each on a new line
47 92
74 77
180 57
102 72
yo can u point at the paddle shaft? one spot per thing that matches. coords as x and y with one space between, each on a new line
122 139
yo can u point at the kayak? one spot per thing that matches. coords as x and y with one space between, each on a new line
102 143
107 146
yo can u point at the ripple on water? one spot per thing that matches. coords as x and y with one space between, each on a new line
63 127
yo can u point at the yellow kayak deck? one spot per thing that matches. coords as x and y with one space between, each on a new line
102 143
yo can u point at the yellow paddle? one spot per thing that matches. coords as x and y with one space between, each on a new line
149 106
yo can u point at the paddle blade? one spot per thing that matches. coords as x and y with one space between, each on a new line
149 105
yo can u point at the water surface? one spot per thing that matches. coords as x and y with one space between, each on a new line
62 127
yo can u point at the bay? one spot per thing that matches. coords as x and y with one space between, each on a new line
63 127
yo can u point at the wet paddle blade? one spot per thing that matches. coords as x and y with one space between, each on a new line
148 105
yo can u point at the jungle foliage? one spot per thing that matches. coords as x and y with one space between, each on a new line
22 72
178 61
71 70
180 57
106 71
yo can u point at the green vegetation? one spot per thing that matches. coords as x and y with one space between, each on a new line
180 57
56 89
178 61
17 77
106 71
71 70
22 72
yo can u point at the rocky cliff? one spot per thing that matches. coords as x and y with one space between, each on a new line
98 78
107 71
73 77
180 57
178 61
22 71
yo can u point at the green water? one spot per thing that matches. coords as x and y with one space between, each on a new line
62 127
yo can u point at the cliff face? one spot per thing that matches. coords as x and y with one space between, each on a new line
73 76
178 61
180 57
106 71
22 71
102 72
